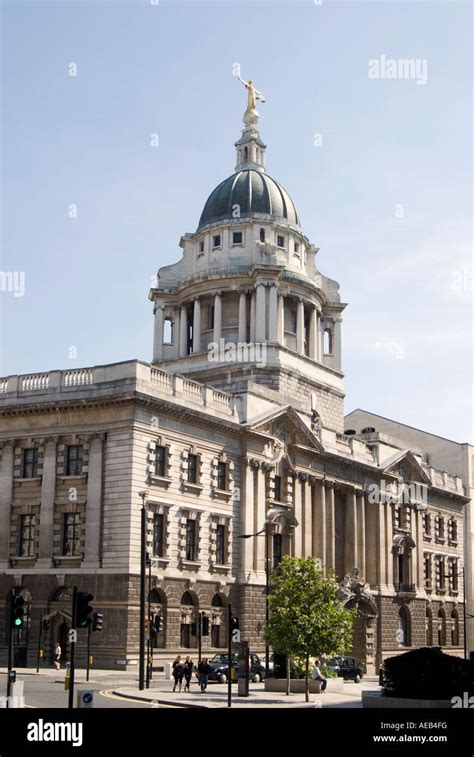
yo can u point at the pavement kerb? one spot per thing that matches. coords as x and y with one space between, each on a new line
126 695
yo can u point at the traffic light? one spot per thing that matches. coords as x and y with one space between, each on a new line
46 625
205 625
97 621
18 610
234 628
83 609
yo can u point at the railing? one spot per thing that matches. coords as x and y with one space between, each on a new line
81 377
161 379
35 381
192 389
99 377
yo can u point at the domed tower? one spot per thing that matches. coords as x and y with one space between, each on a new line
246 308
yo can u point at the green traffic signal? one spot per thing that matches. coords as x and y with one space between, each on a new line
18 622
18 611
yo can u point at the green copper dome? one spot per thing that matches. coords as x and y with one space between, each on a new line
255 193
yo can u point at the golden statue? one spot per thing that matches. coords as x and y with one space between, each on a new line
251 115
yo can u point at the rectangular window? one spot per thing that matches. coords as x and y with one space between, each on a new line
216 240
185 636
237 237
30 463
220 545
191 550
210 316
201 246
27 536
426 524
160 460
277 489
192 469
71 533
222 476
297 247
74 461
277 550
215 636
280 241
158 534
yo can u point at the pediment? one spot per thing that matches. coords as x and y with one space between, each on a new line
285 425
406 467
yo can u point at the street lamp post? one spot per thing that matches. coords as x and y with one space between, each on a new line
266 533
141 677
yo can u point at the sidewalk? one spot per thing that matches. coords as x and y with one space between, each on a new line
216 696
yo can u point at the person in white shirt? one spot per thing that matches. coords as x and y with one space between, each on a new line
318 676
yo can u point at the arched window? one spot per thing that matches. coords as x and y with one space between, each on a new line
216 601
327 343
262 235
167 331
246 154
455 628
403 630
429 627
187 599
441 628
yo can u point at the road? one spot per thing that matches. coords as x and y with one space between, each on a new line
47 691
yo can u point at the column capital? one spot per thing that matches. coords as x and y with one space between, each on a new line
328 484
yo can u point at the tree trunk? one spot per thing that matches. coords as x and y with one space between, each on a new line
307 679
288 668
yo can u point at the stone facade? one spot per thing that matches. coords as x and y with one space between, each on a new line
224 448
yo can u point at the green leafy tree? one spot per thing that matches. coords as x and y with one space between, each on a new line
306 617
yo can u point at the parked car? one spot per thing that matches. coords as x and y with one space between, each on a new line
347 667
220 668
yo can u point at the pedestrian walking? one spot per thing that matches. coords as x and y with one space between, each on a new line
57 656
203 670
188 671
178 672
318 676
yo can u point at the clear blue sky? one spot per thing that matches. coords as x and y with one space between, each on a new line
167 68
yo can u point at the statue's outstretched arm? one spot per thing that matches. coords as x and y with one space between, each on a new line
242 80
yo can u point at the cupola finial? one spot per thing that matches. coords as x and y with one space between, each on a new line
250 148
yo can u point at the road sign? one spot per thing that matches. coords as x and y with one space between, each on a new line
85 699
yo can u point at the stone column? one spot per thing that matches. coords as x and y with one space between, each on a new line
158 334
197 326
350 532
176 331
388 544
247 516
183 331
319 521
307 520
48 494
217 318
380 544
260 315
313 334
6 497
336 347
299 517
420 579
300 327
273 314
281 320
243 317
92 558
252 316
330 526
361 532
321 335
259 520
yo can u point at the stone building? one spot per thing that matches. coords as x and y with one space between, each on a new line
235 427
